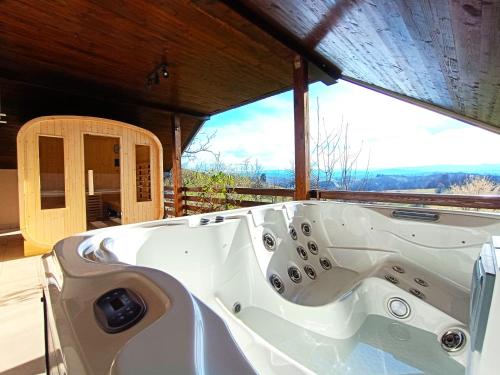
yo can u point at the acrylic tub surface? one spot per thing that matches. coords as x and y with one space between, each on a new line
334 319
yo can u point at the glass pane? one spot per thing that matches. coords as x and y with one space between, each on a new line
51 157
102 180
143 173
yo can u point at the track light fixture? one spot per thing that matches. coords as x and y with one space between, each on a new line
164 71
154 77
2 115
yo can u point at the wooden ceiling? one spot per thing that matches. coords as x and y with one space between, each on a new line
216 58
442 52
93 57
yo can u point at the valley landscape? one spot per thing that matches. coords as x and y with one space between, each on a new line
431 179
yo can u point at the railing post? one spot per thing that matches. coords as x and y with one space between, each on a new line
301 126
176 172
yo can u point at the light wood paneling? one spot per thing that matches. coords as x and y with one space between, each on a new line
42 228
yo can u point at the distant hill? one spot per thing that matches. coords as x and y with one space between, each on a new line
439 177
480 169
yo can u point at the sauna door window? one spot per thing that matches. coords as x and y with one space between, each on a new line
102 180
51 158
143 173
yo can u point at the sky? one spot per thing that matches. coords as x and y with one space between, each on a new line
390 133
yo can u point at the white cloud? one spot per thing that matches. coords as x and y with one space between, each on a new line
269 139
392 132
398 134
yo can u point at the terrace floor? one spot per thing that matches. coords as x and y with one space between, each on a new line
21 311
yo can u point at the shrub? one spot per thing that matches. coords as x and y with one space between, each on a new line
474 185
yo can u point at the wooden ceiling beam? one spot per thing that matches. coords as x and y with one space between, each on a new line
301 128
176 155
285 37
104 95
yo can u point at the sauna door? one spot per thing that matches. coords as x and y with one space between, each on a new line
102 181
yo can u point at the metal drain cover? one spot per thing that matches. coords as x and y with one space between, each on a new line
453 340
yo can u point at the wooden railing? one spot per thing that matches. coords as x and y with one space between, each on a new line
491 202
199 200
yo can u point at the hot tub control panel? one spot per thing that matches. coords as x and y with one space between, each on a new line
119 309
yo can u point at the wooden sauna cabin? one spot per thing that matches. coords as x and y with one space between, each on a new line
82 173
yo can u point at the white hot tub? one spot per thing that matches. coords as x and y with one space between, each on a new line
295 288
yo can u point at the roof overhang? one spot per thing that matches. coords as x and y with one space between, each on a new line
95 58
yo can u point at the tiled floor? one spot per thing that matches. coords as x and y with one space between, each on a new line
21 313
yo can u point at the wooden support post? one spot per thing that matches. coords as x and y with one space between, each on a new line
176 172
301 120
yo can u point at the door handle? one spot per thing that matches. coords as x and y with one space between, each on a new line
90 174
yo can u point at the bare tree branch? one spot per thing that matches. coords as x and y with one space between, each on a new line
332 156
202 143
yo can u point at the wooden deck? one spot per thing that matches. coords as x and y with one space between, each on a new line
21 314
